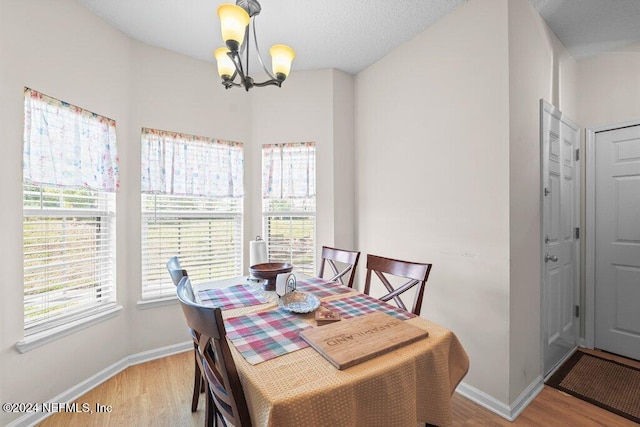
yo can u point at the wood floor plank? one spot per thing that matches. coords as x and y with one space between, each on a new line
159 393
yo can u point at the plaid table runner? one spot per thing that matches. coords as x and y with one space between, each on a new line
263 336
231 297
321 287
360 304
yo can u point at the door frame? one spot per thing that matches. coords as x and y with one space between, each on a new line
590 232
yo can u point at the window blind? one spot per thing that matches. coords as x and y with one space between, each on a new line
192 191
68 246
205 234
70 175
289 204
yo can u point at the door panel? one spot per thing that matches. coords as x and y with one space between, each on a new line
617 242
560 139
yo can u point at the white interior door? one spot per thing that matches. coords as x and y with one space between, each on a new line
560 247
617 241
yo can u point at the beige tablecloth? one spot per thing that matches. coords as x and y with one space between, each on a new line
413 383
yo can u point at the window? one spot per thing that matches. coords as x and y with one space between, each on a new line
289 203
69 184
191 208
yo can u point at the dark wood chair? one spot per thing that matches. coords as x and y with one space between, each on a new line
332 255
418 273
225 398
177 273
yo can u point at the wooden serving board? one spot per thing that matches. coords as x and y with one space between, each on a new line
352 341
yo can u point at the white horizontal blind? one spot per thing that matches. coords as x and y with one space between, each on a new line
290 216
205 234
69 247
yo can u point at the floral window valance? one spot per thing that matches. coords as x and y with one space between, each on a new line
289 170
188 165
67 146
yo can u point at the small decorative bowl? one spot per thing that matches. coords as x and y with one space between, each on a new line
299 302
269 271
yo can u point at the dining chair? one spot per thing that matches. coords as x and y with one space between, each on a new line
225 397
175 270
332 255
418 273
177 273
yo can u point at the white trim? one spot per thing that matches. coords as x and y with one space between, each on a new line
590 194
508 412
49 335
90 383
157 302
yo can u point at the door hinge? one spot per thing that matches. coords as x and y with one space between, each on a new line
546 191
577 154
577 311
577 232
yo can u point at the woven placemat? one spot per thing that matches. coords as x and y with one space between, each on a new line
602 382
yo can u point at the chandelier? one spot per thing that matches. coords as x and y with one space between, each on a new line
235 22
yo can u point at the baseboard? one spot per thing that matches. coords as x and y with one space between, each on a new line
508 412
158 353
92 382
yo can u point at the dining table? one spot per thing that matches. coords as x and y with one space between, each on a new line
287 383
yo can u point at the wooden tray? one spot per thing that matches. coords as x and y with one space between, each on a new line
352 341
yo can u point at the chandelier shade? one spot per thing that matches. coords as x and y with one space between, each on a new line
226 67
281 59
237 22
233 23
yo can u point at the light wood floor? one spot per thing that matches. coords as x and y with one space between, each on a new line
159 393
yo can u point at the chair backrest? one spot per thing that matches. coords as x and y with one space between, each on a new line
418 273
217 362
176 272
332 255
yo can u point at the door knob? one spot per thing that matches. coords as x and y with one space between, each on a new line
548 258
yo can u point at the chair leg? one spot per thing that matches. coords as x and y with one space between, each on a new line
198 383
210 413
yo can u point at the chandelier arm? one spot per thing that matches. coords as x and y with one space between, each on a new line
255 38
274 82
235 58
247 40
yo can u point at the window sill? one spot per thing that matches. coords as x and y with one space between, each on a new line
157 302
44 337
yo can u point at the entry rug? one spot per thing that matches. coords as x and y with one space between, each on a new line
360 304
265 335
231 297
321 287
601 382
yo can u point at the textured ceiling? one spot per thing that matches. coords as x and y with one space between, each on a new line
589 27
351 34
345 34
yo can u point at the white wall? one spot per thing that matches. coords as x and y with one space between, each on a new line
180 94
343 161
61 49
610 87
539 67
432 144
310 106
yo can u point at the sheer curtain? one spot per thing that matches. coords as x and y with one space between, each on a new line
189 165
289 171
66 146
